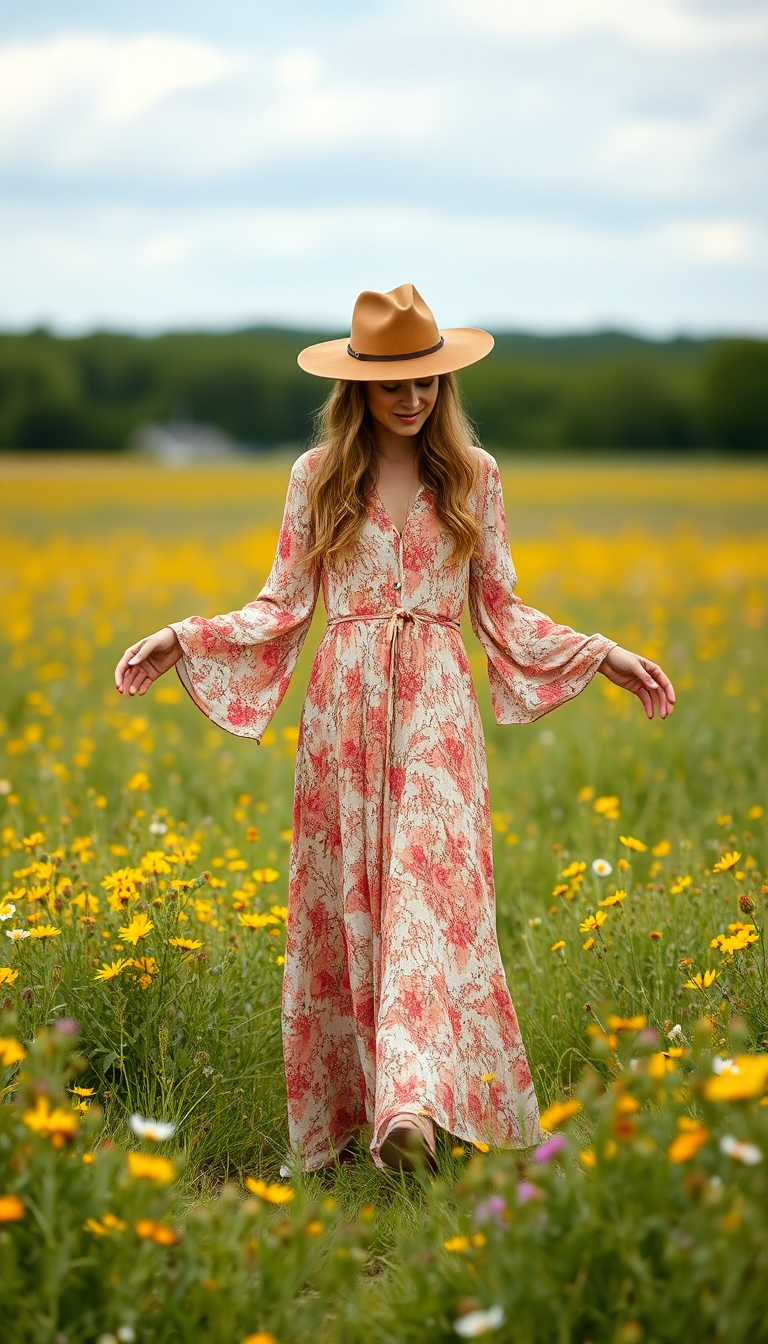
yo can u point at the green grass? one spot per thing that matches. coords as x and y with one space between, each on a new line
677 572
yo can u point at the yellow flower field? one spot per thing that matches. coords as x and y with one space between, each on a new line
144 869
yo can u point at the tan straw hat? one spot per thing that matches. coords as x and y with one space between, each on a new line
394 335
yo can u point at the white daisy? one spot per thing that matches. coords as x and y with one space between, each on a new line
601 868
477 1323
748 1153
16 934
721 1065
157 1131
6 911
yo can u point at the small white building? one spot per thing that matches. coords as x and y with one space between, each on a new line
183 445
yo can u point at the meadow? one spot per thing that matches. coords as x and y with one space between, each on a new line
143 886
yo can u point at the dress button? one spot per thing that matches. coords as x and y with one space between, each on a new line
397 585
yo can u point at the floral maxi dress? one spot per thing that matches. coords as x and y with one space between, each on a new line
394 994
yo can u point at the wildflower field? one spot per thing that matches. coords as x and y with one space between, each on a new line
143 895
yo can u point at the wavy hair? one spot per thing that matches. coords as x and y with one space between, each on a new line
344 478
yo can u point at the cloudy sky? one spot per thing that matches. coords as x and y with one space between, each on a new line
547 164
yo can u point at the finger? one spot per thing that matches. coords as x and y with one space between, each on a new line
664 694
123 664
142 650
664 681
645 697
660 677
133 677
647 670
145 685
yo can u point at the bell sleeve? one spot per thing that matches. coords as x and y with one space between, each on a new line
237 667
534 665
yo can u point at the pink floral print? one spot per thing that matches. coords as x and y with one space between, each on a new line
394 994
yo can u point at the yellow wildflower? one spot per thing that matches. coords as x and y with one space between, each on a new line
630 842
616 899
108 972
701 981
659 1065
160 1233
456 1245
257 921
11 1208
186 944
680 885
149 1168
11 1051
626 1023
574 869
607 805
556 946
556 1115
44 931
593 921
727 861
105 1226
7 975
746 1077
688 1143
138 928
55 1123
273 1194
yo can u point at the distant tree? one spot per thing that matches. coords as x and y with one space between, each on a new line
515 405
627 404
40 400
736 396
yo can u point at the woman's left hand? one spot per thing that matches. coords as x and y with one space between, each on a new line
643 678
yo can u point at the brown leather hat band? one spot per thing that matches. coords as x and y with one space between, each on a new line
395 359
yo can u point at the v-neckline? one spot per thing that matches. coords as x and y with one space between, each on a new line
385 511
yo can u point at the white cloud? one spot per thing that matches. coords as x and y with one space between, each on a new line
561 161
89 104
715 241
74 86
661 24
231 265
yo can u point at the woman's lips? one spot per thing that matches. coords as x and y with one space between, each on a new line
408 419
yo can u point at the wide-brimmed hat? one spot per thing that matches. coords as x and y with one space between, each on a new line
394 335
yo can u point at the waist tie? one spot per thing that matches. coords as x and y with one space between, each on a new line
395 619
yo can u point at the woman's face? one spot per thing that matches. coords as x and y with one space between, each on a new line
402 407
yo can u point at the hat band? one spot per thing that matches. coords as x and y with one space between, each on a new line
395 359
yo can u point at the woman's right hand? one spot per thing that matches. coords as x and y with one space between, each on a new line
147 660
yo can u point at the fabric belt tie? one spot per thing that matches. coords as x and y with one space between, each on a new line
395 619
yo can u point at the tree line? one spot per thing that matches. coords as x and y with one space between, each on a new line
604 391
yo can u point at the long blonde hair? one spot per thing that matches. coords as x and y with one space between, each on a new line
344 478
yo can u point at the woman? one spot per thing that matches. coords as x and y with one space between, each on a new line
395 1008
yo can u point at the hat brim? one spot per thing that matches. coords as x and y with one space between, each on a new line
461 347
